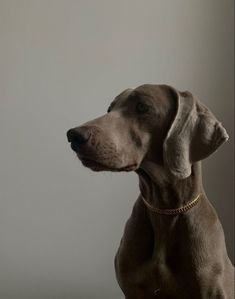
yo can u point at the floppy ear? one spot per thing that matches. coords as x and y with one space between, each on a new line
194 134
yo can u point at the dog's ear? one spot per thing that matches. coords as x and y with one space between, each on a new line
194 134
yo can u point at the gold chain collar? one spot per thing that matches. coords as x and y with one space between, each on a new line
172 211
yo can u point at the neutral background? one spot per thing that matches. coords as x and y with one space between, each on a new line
61 63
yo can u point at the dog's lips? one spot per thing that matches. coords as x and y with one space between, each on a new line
91 164
97 166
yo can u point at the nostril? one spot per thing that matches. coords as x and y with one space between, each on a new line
79 135
69 135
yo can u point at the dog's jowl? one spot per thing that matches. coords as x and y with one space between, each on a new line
173 245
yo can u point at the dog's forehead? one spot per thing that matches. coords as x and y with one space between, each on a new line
150 91
122 97
124 94
153 91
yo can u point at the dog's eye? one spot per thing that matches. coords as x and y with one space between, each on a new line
142 108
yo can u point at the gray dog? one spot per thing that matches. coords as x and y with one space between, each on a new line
173 244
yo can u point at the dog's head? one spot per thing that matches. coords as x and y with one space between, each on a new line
151 122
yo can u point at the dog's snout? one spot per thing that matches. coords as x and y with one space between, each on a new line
78 136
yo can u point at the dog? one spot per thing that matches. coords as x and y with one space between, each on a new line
173 245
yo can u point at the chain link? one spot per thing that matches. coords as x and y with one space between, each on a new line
172 211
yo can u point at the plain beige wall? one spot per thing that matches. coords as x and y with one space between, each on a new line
61 63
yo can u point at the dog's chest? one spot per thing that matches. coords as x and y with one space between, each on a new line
139 265
151 276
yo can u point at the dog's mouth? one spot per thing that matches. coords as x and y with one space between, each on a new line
98 166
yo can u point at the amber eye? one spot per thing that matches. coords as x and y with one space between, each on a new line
142 108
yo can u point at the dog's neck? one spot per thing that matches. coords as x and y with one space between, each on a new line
166 192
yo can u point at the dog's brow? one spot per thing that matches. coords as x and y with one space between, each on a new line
128 90
116 99
142 97
114 102
141 94
111 105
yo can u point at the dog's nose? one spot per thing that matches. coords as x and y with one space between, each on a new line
78 136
